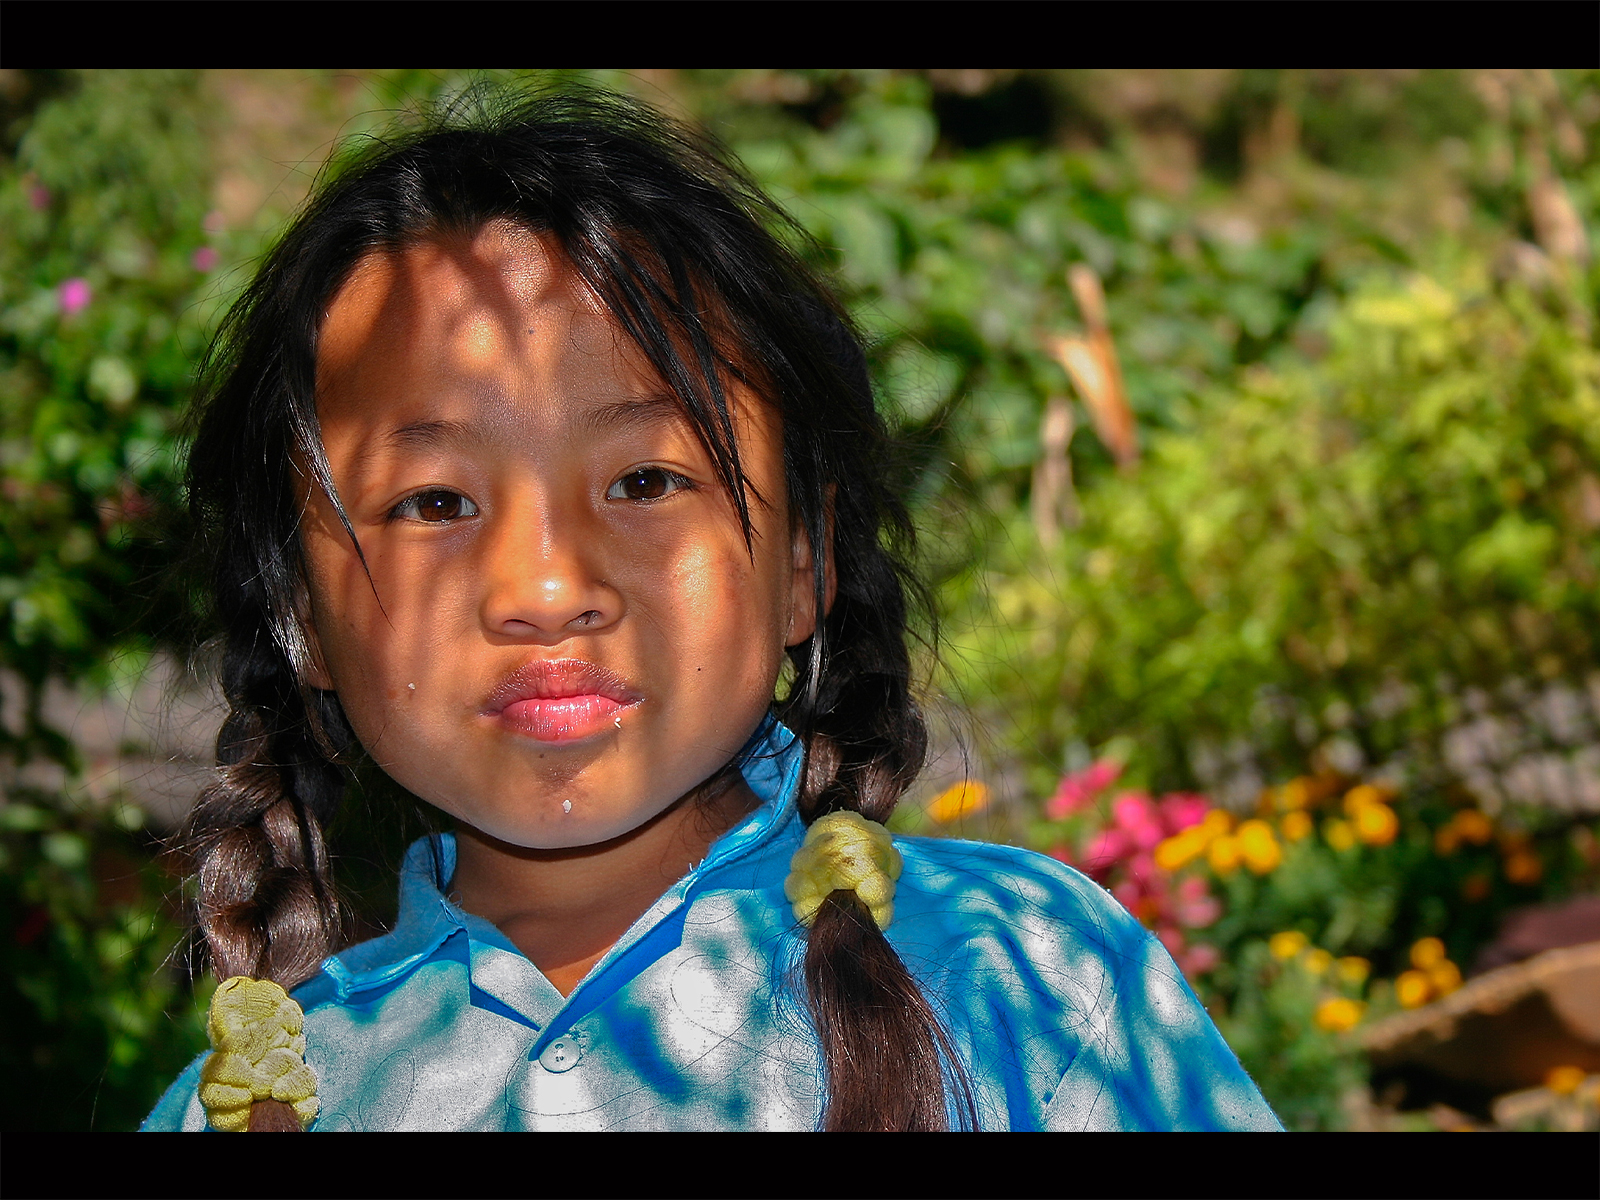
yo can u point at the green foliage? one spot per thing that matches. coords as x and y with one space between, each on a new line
1350 549
955 265
97 1015
100 327
101 321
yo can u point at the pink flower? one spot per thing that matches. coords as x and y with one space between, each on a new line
74 295
1199 959
1106 849
1129 894
205 258
1131 810
1183 809
1197 914
39 197
1062 854
1143 868
1172 939
1196 907
1075 791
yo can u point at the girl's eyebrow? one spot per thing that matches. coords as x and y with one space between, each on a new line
652 408
427 433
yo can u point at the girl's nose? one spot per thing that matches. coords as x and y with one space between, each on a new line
542 579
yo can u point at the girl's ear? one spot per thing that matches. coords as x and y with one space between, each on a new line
313 671
803 588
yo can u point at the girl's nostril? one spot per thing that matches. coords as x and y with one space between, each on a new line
588 618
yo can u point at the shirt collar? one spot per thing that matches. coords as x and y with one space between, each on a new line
771 764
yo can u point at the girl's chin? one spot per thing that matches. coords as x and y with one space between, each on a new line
574 823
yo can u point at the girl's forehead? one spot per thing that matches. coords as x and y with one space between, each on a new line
470 295
499 316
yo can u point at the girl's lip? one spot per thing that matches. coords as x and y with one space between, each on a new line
559 700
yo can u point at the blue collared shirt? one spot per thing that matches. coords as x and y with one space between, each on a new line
1066 1013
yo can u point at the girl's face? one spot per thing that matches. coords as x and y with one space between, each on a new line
564 631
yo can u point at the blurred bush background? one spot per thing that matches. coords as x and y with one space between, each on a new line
1253 424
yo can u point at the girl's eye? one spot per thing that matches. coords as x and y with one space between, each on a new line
435 507
646 483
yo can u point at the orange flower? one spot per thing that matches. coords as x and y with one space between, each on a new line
1353 969
959 800
1223 855
1338 834
1524 867
1295 794
1296 826
1376 824
1287 944
1362 795
1413 989
1427 952
1318 961
1182 848
1474 827
1337 1014
1445 977
1258 847
1565 1080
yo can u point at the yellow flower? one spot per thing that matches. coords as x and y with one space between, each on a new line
1223 855
1445 977
1565 1080
1359 797
1217 823
1258 847
1287 944
1376 824
1338 834
1338 1014
1295 794
1427 952
1413 989
1318 961
1181 849
959 800
1296 825
1353 969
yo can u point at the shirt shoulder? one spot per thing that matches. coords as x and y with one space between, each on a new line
987 887
179 1110
1074 1006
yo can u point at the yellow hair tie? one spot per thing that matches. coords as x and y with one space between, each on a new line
844 851
258 1054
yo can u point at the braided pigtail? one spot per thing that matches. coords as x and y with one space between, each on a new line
886 1056
265 908
265 904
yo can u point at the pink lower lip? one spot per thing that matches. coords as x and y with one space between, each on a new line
562 718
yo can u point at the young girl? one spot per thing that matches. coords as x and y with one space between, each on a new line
528 464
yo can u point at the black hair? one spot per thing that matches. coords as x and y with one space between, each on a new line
691 260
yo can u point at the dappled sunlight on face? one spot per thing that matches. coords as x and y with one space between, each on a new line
564 629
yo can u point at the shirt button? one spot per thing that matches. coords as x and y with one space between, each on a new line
561 1055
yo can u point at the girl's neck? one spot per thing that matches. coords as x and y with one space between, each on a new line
565 908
